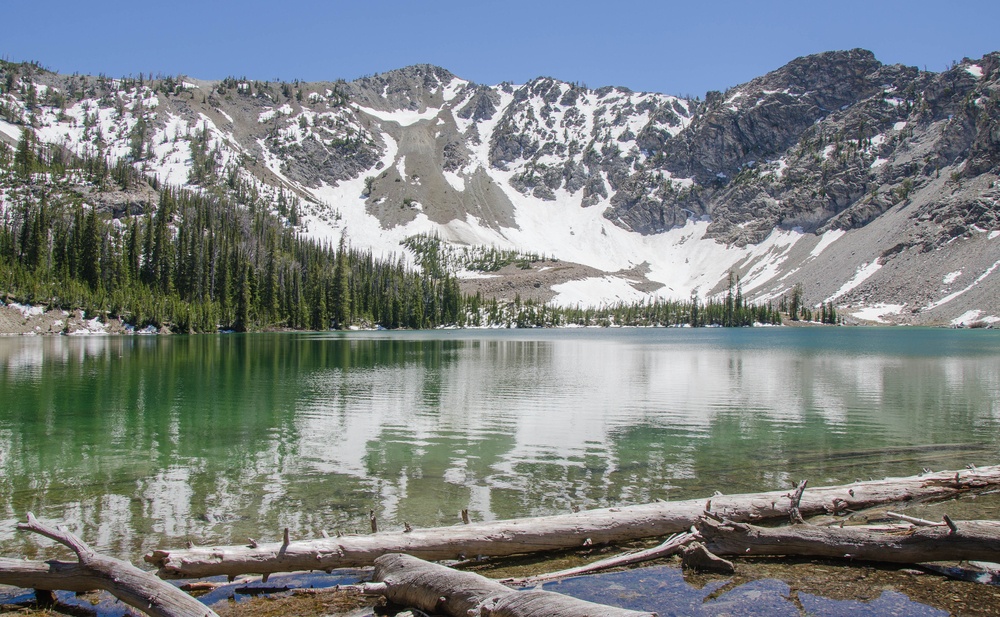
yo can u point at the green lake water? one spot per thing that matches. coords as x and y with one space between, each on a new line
145 442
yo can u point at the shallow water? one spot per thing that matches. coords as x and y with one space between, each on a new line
144 442
665 591
669 591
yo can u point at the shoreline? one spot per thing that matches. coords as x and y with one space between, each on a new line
27 320
758 583
34 320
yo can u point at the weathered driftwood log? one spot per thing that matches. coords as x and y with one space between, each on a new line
411 582
546 533
129 584
671 545
969 540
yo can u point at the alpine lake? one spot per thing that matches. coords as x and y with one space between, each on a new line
143 442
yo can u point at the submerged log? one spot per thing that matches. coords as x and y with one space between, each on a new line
566 531
415 583
129 584
697 557
969 540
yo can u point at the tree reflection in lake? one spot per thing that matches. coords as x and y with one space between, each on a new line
142 442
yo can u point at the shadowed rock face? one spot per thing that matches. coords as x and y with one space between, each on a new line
765 117
826 142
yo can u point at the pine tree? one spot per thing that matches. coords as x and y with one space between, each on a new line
24 154
91 250
162 253
132 261
795 306
147 271
341 289
270 292
320 319
243 322
38 250
693 314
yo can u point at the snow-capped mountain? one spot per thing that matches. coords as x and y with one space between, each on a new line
871 186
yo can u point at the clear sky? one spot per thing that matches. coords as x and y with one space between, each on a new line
686 47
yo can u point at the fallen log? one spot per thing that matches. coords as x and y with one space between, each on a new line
415 583
671 545
969 540
914 520
566 531
129 584
984 573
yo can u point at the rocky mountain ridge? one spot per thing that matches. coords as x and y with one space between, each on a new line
869 185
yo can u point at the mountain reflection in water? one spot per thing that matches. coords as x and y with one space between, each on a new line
139 442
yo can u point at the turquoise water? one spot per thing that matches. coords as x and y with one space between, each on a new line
144 442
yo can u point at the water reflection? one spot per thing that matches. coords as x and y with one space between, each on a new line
664 590
138 442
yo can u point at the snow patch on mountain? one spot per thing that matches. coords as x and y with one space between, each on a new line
763 262
402 117
455 87
456 181
826 240
10 130
951 277
971 317
171 159
862 274
610 289
352 221
958 293
877 312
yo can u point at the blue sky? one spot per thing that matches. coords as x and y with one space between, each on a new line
686 47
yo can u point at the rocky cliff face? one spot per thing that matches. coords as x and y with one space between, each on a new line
872 186
826 142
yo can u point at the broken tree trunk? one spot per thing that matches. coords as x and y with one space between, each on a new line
969 540
546 533
671 545
129 584
411 582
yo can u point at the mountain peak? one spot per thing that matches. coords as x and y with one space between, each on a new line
410 87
